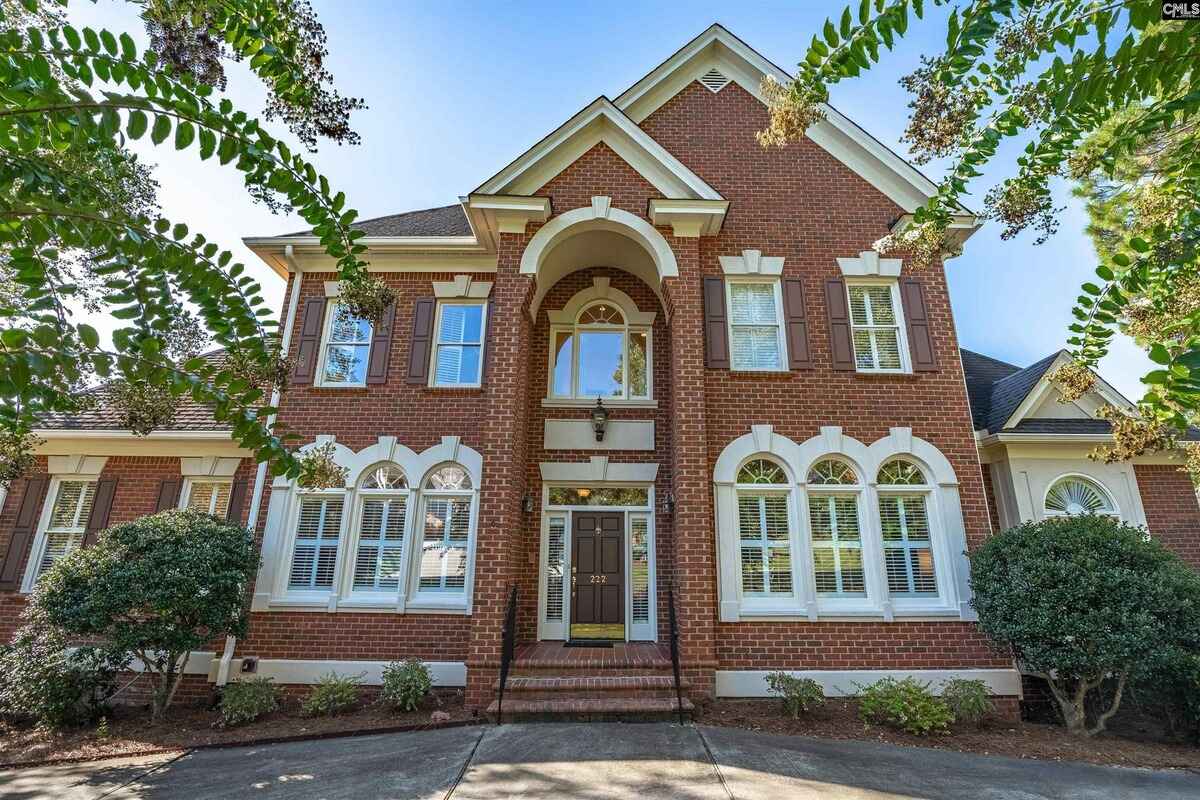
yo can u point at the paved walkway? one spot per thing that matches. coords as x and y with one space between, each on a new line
644 762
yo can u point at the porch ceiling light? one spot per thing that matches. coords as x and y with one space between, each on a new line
599 419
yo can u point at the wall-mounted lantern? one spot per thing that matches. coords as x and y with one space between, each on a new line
599 419
527 504
669 503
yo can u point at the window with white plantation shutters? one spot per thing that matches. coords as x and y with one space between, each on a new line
907 549
834 530
755 332
639 542
766 551
378 559
314 557
875 328
458 346
68 521
211 497
555 568
446 531
1074 495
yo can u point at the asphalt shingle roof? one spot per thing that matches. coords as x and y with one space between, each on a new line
995 388
981 372
441 221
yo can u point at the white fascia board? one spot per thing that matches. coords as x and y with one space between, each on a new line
77 433
1101 387
837 134
504 213
277 243
600 121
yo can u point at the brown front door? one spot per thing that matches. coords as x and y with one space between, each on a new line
598 576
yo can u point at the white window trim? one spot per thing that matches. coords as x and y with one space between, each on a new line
326 333
947 534
37 550
418 599
773 603
1114 509
185 496
296 596
901 326
349 595
438 344
627 330
780 323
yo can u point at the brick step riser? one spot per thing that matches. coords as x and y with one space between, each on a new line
539 671
588 694
606 683
656 716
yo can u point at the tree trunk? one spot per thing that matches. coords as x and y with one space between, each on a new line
168 683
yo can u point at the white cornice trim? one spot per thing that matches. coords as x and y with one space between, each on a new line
76 464
1045 386
59 433
597 470
869 264
689 218
462 286
600 121
509 213
752 262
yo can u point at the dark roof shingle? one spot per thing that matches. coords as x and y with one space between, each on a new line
441 221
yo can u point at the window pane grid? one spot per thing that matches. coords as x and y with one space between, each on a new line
766 558
210 497
380 544
639 542
444 544
347 348
68 518
908 551
876 331
459 344
837 545
555 549
314 559
754 327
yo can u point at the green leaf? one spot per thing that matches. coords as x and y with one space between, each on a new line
1159 354
162 127
185 134
89 337
137 124
830 33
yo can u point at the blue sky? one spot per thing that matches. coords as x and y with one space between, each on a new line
458 89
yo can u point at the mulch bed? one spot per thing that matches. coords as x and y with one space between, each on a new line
130 731
838 719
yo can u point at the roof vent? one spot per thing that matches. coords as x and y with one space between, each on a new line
714 80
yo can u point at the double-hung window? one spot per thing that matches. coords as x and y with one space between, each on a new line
601 356
211 497
317 540
446 531
875 326
756 334
379 554
834 527
347 348
764 530
68 521
458 344
904 525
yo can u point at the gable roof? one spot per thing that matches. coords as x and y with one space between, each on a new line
599 121
981 372
1010 391
440 221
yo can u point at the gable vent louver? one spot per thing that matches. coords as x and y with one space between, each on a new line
714 80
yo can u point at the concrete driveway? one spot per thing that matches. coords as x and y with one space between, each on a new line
645 762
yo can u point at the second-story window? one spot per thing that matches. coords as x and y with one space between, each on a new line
347 347
601 355
458 344
875 326
755 326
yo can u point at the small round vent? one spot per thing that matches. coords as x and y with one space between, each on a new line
714 80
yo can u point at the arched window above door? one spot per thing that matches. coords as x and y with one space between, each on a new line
600 347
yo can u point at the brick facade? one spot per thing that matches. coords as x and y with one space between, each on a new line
1172 512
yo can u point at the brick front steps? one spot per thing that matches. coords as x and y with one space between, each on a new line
629 682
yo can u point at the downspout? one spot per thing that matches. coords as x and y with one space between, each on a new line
260 478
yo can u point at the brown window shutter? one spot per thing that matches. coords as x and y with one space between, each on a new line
168 494
916 318
796 313
716 330
422 339
237 501
22 534
486 356
837 307
309 343
106 489
381 346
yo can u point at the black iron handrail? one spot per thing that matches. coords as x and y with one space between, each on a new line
674 628
508 645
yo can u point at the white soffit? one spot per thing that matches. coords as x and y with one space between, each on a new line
600 121
717 48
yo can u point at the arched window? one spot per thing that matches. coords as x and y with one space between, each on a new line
600 355
1072 495
446 530
764 529
833 519
904 521
378 560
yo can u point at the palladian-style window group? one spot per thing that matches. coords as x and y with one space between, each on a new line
601 355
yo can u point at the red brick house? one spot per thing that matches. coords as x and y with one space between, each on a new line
789 445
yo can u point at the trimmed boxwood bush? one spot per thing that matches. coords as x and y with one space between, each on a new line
1082 602
247 700
799 695
906 705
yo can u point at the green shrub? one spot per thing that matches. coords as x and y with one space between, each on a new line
799 695
333 694
246 701
405 684
1168 689
44 681
1082 602
158 587
906 705
967 700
